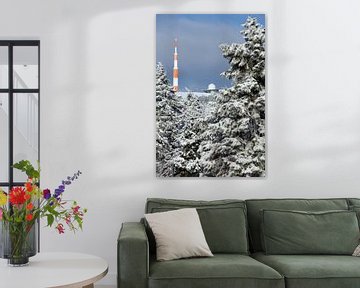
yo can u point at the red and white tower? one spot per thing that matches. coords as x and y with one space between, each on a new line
176 69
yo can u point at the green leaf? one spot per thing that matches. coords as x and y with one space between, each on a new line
50 219
21 165
79 221
28 168
52 211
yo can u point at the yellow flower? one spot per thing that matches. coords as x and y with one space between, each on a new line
3 198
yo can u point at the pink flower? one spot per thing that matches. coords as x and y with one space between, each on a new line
60 228
76 210
1 213
68 219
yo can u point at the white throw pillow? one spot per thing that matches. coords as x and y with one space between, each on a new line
178 234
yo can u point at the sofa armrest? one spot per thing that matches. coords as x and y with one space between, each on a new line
133 256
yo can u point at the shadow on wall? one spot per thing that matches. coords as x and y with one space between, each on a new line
68 85
73 89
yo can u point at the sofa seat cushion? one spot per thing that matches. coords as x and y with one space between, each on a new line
313 271
222 270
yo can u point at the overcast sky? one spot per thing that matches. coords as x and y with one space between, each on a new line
199 37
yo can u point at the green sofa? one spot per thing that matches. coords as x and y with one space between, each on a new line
233 230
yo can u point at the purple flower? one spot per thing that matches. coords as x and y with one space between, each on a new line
64 183
46 194
57 193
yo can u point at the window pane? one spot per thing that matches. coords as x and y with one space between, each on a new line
4 67
26 67
26 131
4 137
5 189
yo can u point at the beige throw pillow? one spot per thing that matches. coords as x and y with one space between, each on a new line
178 234
357 251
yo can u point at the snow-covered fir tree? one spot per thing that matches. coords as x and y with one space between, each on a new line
186 164
234 143
168 121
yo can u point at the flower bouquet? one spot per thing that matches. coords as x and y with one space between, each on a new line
21 208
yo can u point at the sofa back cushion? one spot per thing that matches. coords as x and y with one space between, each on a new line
353 201
298 232
223 221
354 205
255 206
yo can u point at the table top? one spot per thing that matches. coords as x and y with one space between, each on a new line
66 270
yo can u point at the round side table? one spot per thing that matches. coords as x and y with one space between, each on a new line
55 270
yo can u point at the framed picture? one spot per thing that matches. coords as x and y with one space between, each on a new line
210 95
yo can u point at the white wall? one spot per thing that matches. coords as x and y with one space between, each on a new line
97 60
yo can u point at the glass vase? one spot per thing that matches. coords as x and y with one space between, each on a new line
18 242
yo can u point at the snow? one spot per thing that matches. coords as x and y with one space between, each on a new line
217 134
